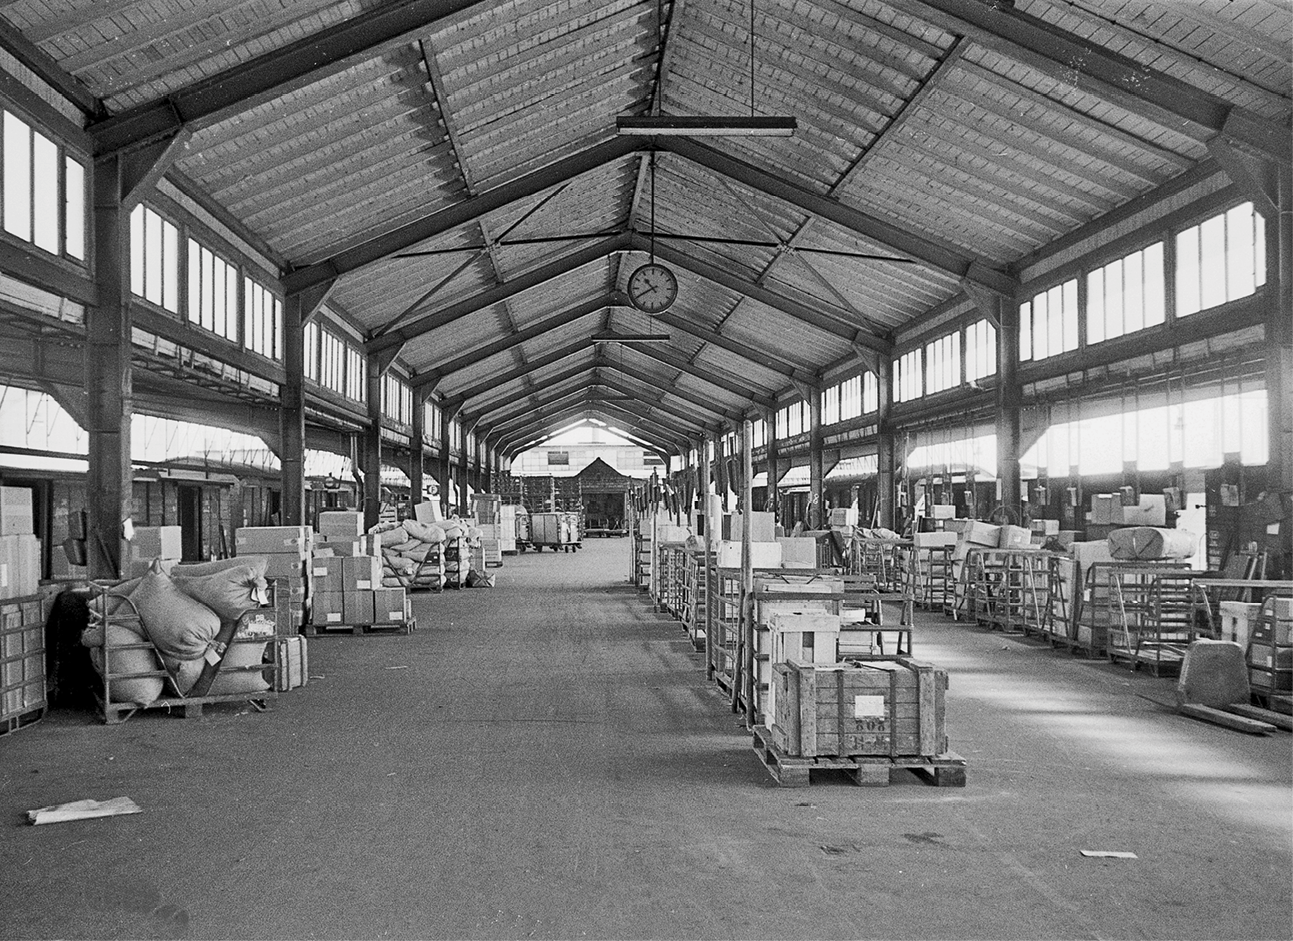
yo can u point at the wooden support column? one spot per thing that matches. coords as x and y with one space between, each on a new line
885 478
416 456
1279 362
710 537
464 471
770 501
373 445
444 464
298 308
108 379
816 471
750 662
1009 397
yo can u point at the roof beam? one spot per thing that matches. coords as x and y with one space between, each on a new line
696 424
461 213
937 255
395 339
517 372
638 431
666 387
667 358
519 396
768 361
274 73
839 325
1127 83
515 429
429 380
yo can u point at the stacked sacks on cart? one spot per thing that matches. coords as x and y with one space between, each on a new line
178 616
412 554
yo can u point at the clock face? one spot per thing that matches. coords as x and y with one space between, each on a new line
653 288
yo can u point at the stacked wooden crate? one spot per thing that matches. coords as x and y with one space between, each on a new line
22 660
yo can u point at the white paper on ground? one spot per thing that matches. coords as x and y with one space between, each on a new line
83 810
1109 854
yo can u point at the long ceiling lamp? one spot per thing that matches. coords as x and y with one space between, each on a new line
661 125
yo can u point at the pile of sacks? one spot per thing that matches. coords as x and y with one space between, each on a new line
179 615
413 553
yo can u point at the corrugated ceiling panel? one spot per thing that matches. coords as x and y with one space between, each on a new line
130 53
1168 41
379 293
753 322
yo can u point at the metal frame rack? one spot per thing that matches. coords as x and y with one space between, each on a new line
696 603
1153 616
1270 653
1090 615
927 580
880 559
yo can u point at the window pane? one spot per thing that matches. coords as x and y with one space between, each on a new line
1095 330
45 211
1239 252
1133 310
1187 272
75 220
137 251
1113 297
195 282
1212 254
17 177
152 256
1153 274
208 274
1068 316
231 302
171 267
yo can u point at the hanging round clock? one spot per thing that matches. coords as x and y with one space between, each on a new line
653 288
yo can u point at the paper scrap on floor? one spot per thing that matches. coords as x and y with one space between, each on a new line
1109 854
83 810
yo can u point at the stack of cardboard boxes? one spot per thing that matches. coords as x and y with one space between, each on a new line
287 548
19 547
150 544
346 570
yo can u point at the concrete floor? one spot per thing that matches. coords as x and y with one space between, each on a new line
545 759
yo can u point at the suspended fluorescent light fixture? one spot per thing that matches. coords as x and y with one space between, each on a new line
662 125
632 338
727 126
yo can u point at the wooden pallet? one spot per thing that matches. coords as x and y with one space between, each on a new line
1274 701
947 770
19 720
395 627
190 708
1165 662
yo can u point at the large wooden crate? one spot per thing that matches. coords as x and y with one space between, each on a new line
888 708
22 660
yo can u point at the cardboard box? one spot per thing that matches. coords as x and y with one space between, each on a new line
844 516
804 638
292 657
157 542
361 573
390 606
19 566
327 607
1102 508
1014 537
1150 511
798 552
327 573
763 527
982 534
763 555
357 607
428 513
16 518
362 545
284 566
1236 620
266 540
942 511
933 540
341 524
1046 527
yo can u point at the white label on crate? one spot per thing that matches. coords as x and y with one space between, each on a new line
4 574
365 584
868 707
1270 662
334 618
395 616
